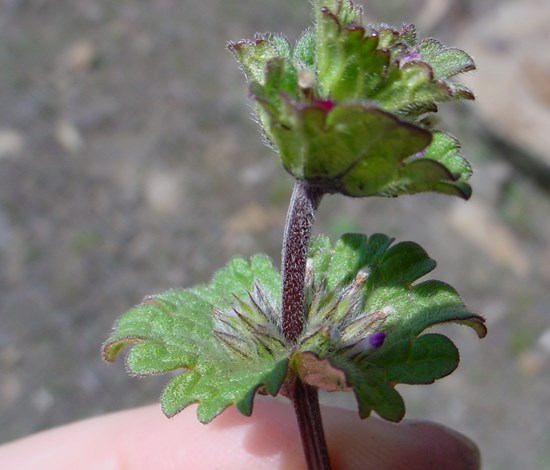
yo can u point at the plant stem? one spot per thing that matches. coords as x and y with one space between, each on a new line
301 214
299 220
305 399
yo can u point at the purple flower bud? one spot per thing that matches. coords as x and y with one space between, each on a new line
368 344
376 340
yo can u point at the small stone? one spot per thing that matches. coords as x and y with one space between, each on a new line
245 228
164 191
531 363
478 224
11 143
79 57
252 218
69 137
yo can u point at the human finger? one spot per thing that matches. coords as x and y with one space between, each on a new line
143 439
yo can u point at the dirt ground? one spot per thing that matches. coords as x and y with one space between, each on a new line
129 165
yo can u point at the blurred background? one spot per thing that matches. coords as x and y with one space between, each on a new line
129 164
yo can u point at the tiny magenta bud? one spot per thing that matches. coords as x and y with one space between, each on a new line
325 105
410 57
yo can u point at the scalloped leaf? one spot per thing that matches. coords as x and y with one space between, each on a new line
176 331
372 391
445 150
366 317
360 150
219 385
349 64
346 108
446 62
253 56
332 148
410 90
384 66
420 361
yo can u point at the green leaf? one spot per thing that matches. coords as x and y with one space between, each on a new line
384 66
359 150
348 108
224 337
445 62
420 361
365 312
352 149
410 90
253 57
345 58
352 253
445 150
304 52
344 11
278 41
217 386
373 393
366 316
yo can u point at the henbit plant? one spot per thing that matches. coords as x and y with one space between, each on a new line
349 109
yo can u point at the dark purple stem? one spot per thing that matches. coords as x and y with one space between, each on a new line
305 399
300 217
299 220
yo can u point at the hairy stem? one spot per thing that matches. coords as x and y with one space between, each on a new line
300 217
306 406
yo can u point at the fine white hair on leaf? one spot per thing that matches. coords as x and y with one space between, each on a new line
362 276
388 310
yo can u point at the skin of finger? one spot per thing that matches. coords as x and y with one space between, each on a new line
409 445
144 439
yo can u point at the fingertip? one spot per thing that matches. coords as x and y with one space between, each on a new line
409 445
446 446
